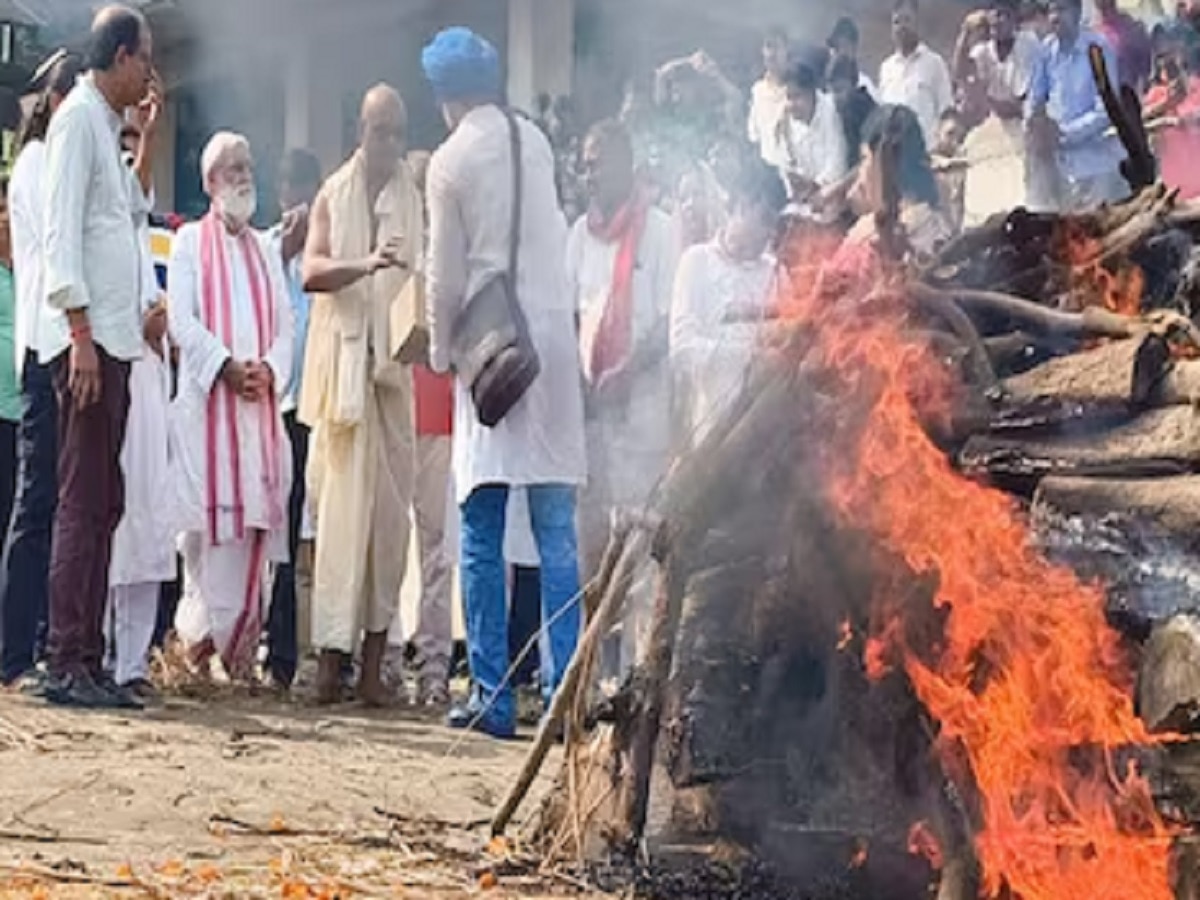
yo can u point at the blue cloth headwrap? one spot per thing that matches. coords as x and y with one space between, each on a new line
459 64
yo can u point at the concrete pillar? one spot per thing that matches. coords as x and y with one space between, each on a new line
312 105
164 158
297 96
541 49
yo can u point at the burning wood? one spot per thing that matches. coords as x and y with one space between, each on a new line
854 633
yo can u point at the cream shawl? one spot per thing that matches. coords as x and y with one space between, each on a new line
349 328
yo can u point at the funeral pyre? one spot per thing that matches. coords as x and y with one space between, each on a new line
920 610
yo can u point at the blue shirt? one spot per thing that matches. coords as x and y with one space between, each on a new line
1063 84
300 303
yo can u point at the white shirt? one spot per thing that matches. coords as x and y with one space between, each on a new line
922 83
1007 79
716 315
92 260
768 102
541 439
865 82
635 432
815 150
36 323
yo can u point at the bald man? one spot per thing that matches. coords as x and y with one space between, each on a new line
364 241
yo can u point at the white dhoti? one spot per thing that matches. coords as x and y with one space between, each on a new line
222 596
231 463
129 629
143 554
362 479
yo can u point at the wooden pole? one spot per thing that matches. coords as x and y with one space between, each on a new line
664 626
625 547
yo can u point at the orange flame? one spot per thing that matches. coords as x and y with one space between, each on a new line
1028 682
1116 283
923 842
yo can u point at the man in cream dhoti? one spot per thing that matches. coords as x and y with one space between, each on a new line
365 237
231 465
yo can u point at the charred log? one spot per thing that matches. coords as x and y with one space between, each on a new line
1137 536
1161 442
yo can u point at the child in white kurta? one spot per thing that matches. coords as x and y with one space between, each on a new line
143 555
231 462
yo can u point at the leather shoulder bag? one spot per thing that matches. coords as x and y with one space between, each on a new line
490 344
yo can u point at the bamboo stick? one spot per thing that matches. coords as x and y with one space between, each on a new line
626 544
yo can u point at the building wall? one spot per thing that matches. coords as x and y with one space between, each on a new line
300 83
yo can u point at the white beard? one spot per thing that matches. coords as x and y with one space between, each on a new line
237 205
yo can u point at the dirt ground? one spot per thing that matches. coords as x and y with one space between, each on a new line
252 797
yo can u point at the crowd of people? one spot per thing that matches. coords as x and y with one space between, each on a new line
499 343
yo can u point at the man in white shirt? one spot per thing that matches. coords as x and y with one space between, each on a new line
915 76
811 139
621 260
539 444
27 554
995 60
93 272
768 97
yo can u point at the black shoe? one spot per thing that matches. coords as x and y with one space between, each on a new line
123 696
83 692
143 691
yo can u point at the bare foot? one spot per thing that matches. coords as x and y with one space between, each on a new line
373 692
329 678
371 689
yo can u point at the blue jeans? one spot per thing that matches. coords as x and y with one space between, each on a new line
552 515
26 563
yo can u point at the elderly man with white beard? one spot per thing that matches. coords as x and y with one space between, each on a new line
231 317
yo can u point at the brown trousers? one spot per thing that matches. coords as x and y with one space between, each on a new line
91 500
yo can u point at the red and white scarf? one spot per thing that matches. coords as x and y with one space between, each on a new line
614 336
221 426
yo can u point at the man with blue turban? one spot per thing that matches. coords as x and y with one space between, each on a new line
538 444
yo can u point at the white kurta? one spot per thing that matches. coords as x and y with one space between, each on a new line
143 550
143 544
201 356
469 191
629 437
714 332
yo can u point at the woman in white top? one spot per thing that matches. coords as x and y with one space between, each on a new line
723 292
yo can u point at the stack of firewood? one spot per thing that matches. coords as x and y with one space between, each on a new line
1073 342
1092 414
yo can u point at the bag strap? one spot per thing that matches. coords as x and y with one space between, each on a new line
514 239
